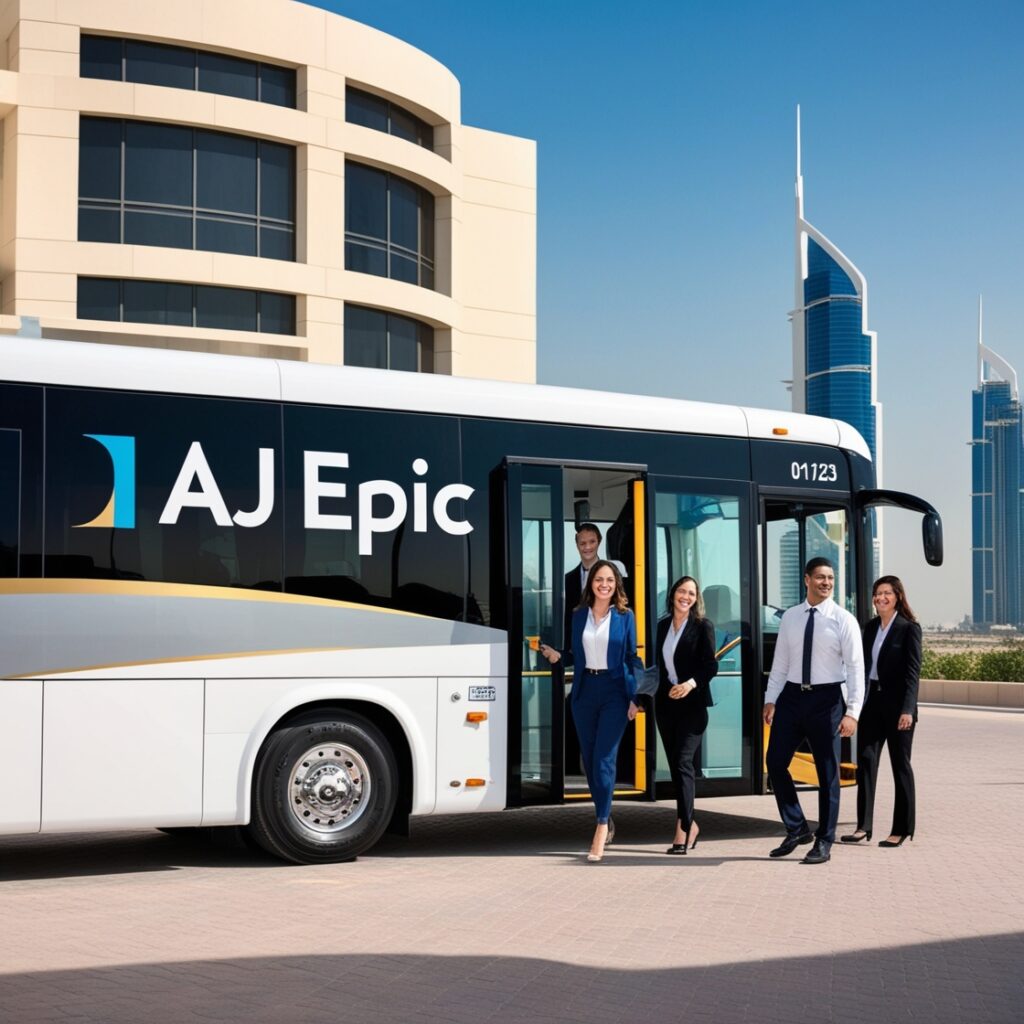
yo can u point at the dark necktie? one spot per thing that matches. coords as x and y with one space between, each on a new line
808 646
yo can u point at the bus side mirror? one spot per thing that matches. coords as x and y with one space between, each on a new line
931 533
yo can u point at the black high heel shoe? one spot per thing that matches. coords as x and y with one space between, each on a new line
611 832
854 838
899 842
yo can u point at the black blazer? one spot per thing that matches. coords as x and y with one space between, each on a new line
694 659
899 665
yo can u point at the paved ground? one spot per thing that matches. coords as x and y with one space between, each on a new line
499 919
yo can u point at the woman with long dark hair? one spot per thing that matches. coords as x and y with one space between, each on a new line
604 661
892 661
685 650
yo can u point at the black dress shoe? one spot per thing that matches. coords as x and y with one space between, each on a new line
857 837
790 843
819 853
677 848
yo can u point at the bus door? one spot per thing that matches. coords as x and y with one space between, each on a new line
793 530
21 701
546 500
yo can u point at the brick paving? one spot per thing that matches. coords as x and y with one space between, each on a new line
497 918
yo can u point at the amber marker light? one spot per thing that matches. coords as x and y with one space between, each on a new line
476 716
780 431
476 782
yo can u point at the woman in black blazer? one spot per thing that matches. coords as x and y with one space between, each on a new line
892 664
685 649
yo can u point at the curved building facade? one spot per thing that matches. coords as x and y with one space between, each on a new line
258 177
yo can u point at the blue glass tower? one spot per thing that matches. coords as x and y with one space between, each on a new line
997 459
834 353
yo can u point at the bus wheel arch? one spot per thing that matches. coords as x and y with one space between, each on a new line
329 779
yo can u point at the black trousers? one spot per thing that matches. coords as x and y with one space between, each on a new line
813 715
681 729
876 728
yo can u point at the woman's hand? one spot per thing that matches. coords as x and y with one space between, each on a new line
906 722
631 713
680 690
550 653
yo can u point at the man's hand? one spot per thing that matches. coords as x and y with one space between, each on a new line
769 713
848 726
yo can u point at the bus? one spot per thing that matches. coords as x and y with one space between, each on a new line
305 601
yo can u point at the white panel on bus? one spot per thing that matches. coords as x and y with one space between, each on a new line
21 732
122 753
468 750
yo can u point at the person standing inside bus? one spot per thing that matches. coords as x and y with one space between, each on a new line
818 656
685 649
892 654
604 661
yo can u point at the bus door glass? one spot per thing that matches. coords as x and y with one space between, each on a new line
546 503
702 530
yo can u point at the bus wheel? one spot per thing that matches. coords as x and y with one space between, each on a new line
324 789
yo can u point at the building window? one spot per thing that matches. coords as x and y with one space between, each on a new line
185 305
384 116
180 67
387 341
186 188
389 226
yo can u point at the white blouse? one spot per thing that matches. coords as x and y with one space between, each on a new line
883 632
595 640
668 650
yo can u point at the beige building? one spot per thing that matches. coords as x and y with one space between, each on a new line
258 177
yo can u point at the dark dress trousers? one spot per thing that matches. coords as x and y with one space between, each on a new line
895 694
600 702
573 593
681 723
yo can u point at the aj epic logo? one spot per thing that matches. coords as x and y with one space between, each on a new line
195 471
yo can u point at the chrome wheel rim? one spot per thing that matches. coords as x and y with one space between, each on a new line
328 790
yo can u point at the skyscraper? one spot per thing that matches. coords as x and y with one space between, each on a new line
997 443
834 353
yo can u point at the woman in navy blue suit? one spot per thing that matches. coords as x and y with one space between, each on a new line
892 667
685 648
604 685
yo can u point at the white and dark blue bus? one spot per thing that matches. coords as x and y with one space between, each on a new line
304 600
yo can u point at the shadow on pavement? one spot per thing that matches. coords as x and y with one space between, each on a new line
533 832
977 980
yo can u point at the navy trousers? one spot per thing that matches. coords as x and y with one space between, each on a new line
813 715
600 712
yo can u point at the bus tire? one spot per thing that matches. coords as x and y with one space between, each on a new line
324 789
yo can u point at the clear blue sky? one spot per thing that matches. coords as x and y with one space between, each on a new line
665 197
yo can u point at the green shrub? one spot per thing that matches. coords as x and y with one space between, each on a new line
1004 666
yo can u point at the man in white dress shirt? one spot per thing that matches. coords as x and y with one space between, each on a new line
815 692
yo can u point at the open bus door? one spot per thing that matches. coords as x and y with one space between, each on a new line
546 500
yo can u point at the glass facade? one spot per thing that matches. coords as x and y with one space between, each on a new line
180 67
997 544
384 116
143 183
185 305
838 352
387 341
389 226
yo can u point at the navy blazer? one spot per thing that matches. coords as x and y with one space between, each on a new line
899 664
694 659
622 657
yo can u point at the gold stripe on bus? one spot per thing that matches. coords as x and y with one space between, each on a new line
49 673
145 588
639 566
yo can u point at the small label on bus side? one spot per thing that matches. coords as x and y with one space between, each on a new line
483 693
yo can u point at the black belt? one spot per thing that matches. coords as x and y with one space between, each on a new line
597 671
807 687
